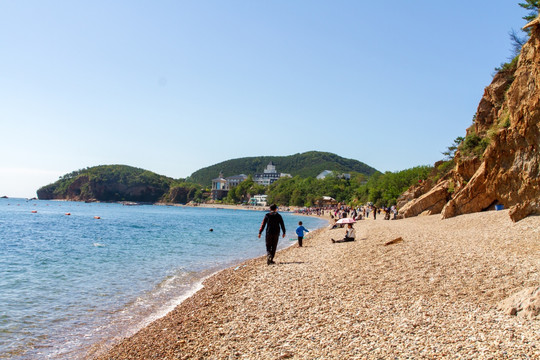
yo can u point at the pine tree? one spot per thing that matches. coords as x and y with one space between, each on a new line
516 40
532 6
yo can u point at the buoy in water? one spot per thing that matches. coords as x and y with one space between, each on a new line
97 217
34 211
68 213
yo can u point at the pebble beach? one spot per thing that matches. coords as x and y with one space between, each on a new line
436 293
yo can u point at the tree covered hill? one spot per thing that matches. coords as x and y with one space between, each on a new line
108 183
127 183
308 164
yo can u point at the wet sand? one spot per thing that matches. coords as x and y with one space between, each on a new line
433 295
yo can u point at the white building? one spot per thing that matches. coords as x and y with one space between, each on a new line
258 200
221 185
269 175
233 181
326 173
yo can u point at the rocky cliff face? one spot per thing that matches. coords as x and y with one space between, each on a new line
508 172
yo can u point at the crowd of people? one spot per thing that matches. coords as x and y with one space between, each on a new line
341 211
274 225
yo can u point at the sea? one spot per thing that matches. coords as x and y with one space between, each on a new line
75 277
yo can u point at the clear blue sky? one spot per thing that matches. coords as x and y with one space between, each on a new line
174 86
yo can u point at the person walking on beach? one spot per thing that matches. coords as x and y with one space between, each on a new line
300 232
273 222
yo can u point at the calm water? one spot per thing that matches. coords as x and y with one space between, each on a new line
69 284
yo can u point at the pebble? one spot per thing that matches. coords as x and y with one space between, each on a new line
433 295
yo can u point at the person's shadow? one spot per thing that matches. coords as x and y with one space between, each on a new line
290 262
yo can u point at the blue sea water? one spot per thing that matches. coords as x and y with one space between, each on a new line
71 284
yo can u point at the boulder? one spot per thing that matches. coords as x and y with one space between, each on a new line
430 203
414 192
525 303
521 211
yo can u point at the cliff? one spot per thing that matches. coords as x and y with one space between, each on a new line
507 172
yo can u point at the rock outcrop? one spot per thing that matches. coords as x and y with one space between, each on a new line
508 171
414 192
525 303
432 202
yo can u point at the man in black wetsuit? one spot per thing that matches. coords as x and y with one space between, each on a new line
273 221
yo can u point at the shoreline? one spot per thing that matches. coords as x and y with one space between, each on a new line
433 295
230 207
163 310
135 203
120 318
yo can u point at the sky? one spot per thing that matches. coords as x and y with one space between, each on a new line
175 86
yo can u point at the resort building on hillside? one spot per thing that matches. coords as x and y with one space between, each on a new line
258 200
221 185
269 175
326 173
326 201
233 181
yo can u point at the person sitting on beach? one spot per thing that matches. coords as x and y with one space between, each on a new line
349 235
333 226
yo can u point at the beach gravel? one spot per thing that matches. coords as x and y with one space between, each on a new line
435 294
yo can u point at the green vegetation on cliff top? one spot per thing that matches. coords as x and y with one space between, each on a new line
108 183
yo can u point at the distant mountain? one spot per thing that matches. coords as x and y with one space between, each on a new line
108 183
308 164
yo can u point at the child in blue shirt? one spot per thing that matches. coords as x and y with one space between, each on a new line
300 232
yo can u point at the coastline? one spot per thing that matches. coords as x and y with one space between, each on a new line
231 207
433 295
164 309
122 306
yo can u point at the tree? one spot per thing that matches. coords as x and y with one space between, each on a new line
532 6
517 42
451 150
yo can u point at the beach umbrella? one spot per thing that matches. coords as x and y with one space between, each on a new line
346 221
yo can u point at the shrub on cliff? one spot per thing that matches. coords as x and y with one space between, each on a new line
474 145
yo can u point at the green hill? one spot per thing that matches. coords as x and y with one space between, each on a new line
127 183
108 183
308 164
